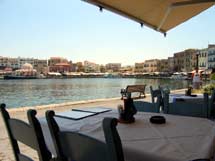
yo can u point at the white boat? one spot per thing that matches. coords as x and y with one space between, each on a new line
179 76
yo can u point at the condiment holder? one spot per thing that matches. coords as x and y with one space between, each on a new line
127 112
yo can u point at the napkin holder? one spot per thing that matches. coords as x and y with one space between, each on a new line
126 113
188 92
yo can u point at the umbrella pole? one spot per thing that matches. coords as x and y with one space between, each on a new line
197 63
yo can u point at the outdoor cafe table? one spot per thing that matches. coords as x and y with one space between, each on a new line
180 139
173 97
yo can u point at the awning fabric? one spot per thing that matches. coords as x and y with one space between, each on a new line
161 15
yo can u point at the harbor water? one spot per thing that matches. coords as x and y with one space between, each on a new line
22 93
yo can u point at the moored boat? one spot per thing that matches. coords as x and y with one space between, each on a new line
19 77
179 76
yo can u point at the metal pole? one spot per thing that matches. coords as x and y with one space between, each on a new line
197 63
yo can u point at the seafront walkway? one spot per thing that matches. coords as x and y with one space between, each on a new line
21 113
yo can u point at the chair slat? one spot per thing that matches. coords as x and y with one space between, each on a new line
154 93
28 134
24 158
133 89
143 106
23 132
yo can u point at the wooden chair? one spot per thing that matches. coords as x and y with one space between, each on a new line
133 89
164 90
187 108
79 147
28 134
143 106
154 93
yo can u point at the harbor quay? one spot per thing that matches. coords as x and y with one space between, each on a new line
6 153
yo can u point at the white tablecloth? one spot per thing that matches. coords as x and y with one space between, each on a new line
180 139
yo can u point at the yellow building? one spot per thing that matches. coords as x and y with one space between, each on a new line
151 65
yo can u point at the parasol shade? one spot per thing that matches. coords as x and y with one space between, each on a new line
161 15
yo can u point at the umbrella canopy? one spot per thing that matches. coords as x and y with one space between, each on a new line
161 15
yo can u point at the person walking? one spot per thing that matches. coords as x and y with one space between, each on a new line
197 82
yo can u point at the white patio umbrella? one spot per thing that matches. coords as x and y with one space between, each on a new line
161 15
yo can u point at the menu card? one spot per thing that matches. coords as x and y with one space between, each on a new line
74 115
95 110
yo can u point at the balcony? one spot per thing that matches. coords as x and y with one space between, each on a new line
211 60
211 53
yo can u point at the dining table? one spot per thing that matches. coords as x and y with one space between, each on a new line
179 139
182 97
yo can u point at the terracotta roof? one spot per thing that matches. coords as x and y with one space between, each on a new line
63 64
56 58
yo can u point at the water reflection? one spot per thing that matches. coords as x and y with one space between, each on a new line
18 93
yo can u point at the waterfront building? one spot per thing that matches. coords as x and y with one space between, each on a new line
190 57
203 59
185 61
170 64
127 69
59 64
3 62
13 63
74 67
90 67
139 67
9 62
25 70
22 61
115 67
179 61
61 68
151 65
80 67
102 69
211 56
55 60
41 65
163 65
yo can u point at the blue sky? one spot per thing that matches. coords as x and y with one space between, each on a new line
78 31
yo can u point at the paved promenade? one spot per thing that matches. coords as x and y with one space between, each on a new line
20 113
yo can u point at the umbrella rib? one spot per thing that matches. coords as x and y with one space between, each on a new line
179 4
163 20
191 2
165 17
122 13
